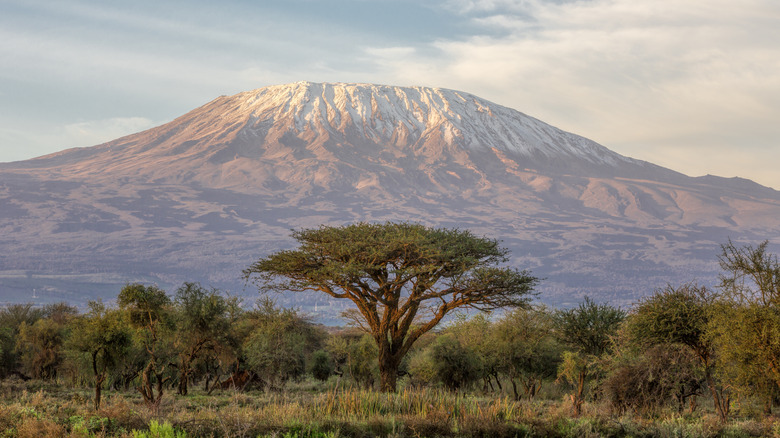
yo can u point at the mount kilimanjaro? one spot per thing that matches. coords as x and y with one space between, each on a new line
202 197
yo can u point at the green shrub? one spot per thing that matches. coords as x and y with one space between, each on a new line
455 365
321 367
157 430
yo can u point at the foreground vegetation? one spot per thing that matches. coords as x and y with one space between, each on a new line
315 409
687 361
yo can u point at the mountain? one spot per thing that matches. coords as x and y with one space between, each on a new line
200 198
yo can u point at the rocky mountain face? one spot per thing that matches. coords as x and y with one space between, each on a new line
200 198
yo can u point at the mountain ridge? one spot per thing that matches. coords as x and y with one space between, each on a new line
323 111
200 197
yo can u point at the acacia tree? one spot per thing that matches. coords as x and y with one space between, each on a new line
402 277
680 316
40 347
588 329
751 285
202 322
104 337
149 310
12 316
526 348
279 344
476 335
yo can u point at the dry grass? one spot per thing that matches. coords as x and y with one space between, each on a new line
38 410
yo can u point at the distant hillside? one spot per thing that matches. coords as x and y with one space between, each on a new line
200 198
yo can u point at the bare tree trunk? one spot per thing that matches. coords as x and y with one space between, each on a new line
498 381
486 382
388 368
692 404
147 389
388 376
576 398
99 379
721 402
184 376
533 389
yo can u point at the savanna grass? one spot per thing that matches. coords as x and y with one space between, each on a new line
305 411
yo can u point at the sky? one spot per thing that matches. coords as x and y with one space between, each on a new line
690 85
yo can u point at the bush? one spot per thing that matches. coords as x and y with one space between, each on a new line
321 366
663 374
157 430
455 365
422 369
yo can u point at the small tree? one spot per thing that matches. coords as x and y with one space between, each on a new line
526 348
394 273
11 318
41 347
279 344
476 335
361 361
680 316
455 366
651 377
103 336
588 329
202 324
750 356
746 357
148 308
751 274
321 365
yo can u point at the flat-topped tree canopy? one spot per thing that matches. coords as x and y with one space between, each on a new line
403 278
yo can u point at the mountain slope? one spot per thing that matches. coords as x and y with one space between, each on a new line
339 122
201 197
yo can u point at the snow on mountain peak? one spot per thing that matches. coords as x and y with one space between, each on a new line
414 116
324 126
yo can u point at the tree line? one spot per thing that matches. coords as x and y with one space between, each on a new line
673 348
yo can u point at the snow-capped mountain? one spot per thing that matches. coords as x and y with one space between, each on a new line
203 196
360 125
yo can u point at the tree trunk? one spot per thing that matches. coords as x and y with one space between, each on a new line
721 402
498 381
184 376
577 398
147 389
388 376
388 367
533 389
186 367
99 379
486 382
692 404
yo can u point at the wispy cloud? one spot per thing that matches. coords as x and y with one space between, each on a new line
631 75
100 131
691 85
25 143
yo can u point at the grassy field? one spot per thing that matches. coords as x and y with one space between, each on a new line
309 409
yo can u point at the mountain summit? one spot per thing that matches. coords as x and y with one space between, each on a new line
434 130
203 196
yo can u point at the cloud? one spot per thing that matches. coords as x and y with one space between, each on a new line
27 143
661 80
631 75
100 131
